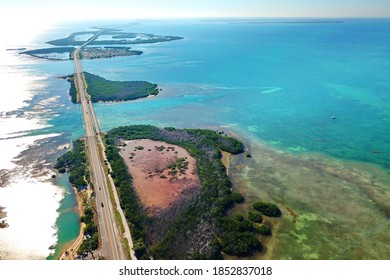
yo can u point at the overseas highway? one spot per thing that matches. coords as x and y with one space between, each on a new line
110 239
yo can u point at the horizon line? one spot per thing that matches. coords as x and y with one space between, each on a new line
238 18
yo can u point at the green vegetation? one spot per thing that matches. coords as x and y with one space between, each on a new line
128 200
127 247
75 162
237 197
160 148
263 229
172 172
91 241
72 90
41 52
200 230
255 217
61 170
240 244
198 217
101 89
268 209
180 164
238 236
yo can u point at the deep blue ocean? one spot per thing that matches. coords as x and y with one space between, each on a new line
310 99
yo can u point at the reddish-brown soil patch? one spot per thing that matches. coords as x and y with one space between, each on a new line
162 173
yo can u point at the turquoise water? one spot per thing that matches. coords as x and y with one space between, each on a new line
69 221
277 85
281 82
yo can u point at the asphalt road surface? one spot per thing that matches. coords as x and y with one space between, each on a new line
111 247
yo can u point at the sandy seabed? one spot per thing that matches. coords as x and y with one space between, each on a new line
332 209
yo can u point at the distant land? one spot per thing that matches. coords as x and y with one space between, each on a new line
49 53
86 53
311 21
65 47
106 52
111 37
17 49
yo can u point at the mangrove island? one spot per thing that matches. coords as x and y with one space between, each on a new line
101 89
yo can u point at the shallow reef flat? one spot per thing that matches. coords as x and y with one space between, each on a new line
333 209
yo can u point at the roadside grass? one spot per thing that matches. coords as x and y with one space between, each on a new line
117 215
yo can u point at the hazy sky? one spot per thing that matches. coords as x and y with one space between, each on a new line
195 8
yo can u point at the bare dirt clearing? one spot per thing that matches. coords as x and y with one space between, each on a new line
162 173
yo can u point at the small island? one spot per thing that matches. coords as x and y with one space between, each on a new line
268 209
106 52
63 53
17 49
66 53
104 90
193 224
175 193
186 218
